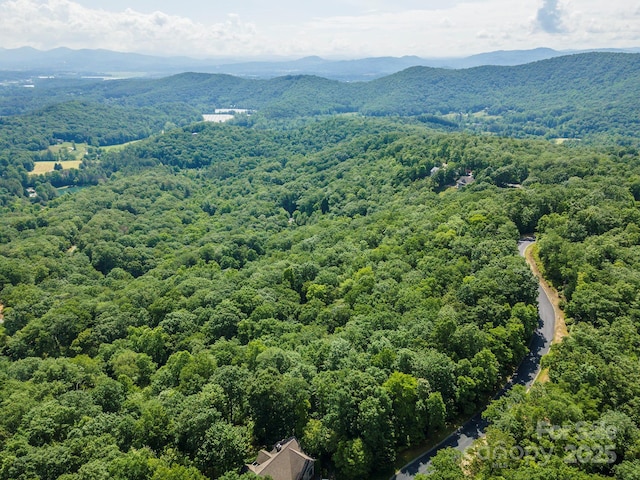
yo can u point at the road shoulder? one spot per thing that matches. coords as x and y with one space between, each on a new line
560 329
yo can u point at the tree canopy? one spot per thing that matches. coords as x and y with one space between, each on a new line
222 287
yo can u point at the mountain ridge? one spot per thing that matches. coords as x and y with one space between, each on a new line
108 62
570 96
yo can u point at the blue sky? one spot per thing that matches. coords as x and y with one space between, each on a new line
329 28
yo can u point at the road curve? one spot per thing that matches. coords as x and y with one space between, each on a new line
527 371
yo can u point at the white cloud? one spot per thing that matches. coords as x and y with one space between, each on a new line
52 23
431 32
446 22
348 28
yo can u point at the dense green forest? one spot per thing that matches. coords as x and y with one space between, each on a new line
230 286
266 283
584 422
569 96
588 97
27 138
219 287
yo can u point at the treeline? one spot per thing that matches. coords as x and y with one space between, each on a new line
85 122
575 97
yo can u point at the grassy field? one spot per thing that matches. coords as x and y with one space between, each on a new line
560 141
68 148
45 167
112 148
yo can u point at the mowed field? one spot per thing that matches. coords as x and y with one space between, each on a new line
77 150
74 151
46 167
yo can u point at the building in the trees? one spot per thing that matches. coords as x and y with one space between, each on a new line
286 461
465 180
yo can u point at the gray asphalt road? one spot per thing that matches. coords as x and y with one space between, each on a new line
464 436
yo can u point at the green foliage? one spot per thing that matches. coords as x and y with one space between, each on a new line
445 465
589 96
353 459
224 448
223 291
587 247
278 405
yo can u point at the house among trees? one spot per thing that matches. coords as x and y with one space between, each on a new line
286 461
465 180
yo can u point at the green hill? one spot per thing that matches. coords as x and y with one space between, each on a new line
568 96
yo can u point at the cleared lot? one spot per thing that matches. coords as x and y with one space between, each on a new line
45 167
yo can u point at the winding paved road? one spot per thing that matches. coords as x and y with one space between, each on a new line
527 371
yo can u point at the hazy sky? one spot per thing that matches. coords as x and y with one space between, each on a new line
330 28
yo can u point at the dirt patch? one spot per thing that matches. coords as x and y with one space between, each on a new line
1 316
560 330
543 376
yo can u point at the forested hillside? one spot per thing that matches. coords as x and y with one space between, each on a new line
583 423
312 270
569 96
27 138
589 97
230 286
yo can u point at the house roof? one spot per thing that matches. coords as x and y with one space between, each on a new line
285 462
465 180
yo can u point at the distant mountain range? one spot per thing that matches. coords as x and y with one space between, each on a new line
109 63
569 96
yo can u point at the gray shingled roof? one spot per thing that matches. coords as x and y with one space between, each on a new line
284 464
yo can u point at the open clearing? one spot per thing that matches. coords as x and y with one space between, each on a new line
46 167
69 150
217 117
74 155
120 146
